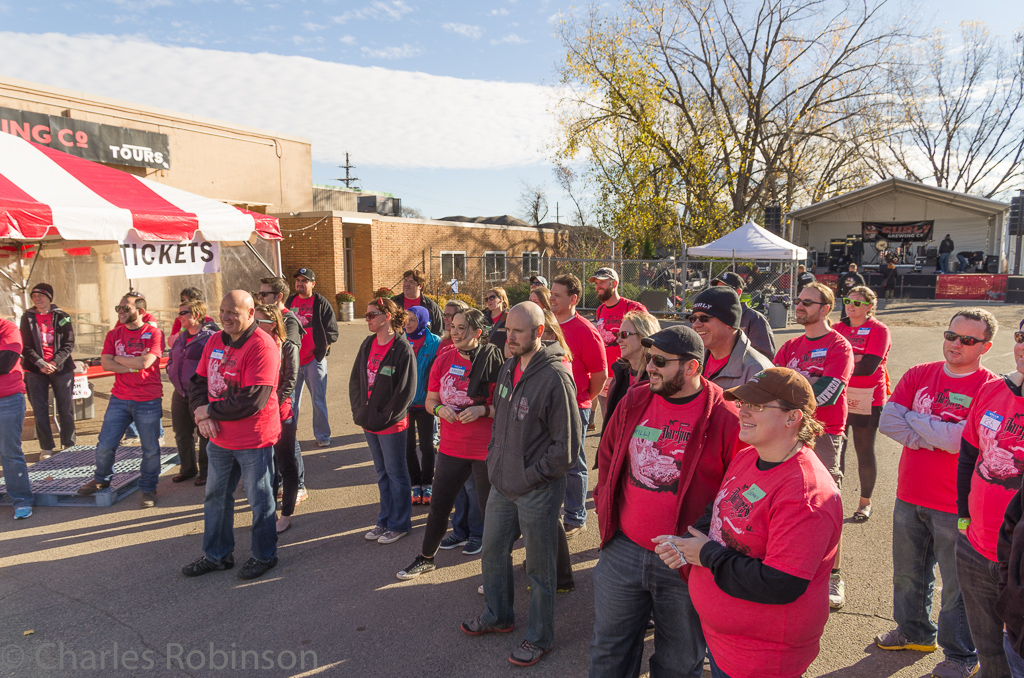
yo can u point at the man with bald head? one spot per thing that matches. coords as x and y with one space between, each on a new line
537 437
233 396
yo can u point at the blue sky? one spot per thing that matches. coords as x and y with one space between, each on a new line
444 104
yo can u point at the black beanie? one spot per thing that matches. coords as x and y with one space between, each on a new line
43 288
720 302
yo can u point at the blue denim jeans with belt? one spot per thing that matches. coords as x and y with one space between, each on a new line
12 459
146 416
253 468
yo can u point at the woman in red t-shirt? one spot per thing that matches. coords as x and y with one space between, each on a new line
760 576
452 307
460 394
868 388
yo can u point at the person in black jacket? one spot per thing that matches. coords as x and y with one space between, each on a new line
49 338
946 248
381 388
1010 591
412 295
846 282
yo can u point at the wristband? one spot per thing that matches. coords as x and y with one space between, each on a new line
962 523
437 407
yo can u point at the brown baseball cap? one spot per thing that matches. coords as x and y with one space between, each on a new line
776 383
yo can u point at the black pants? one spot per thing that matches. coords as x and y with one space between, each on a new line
286 466
38 387
422 422
452 474
184 425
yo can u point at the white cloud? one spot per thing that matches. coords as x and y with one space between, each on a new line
347 40
404 52
510 39
310 26
501 11
466 30
378 9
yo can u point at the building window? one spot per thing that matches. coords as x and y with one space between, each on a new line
531 264
494 266
453 266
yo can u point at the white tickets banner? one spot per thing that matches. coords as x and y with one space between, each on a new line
82 389
149 259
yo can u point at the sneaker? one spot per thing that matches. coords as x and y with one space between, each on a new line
323 443
203 565
283 523
302 496
427 493
92 487
390 537
375 534
572 530
952 669
419 566
148 500
480 589
160 441
895 640
417 495
476 627
256 568
836 591
473 547
280 493
527 654
22 512
45 454
452 542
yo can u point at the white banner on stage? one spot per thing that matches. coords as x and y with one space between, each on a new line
148 259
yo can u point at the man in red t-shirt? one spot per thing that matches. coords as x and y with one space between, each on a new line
132 352
926 413
589 372
233 396
12 420
608 319
825 358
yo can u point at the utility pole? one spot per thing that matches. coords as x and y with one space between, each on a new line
348 178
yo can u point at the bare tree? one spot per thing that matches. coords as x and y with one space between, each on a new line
533 203
412 213
567 181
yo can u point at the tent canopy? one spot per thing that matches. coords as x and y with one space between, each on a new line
750 241
44 192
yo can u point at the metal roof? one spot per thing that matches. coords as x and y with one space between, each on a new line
963 201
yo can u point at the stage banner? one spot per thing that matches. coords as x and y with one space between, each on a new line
148 259
900 231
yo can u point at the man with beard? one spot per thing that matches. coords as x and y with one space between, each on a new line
825 358
608 319
660 463
537 437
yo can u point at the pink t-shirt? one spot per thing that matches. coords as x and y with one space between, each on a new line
649 500
928 477
45 321
996 427
608 322
788 516
377 353
10 340
303 310
588 355
871 338
827 356
145 384
713 365
449 378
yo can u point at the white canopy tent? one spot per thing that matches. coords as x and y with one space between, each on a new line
750 241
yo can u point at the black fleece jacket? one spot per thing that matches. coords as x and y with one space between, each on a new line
1010 550
393 390
324 325
63 341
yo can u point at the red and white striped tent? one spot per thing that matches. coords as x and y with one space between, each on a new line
45 192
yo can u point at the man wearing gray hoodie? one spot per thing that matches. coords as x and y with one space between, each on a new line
536 439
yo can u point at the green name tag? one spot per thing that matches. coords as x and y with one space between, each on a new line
753 494
387 371
960 399
503 391
647 433
63 321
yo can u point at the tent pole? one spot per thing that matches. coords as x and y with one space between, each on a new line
262 261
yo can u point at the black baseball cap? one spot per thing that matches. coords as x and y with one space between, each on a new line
720 302
677 340
306 273
729 278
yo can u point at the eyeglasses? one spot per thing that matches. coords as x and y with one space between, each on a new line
660 360
965 340
807 302
266 294
855 302
698 318
758 408
493 297
122 309
447 316
623 334
373 314
184 313
266 322
1018 337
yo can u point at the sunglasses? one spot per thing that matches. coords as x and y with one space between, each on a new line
266 322
660 360
855 302
1018 337
265 294
492 298
744 405
623 334
373 314
699 318
807 302
122 309
182 314
965 340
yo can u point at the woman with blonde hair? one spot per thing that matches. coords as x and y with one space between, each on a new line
631 367
542 297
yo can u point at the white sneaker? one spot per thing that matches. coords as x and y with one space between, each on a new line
323 443
374 534
480 589
390 537
836 591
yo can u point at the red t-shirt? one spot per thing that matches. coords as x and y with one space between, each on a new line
649 501
516 373
417 344
449 378
588 354
713 365
377 353
409 303
144 384
788 516
827 356
303 310
45 321
928 477
608 322
871 338
10 340
996 427
257 362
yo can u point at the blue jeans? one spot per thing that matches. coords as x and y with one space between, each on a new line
715 671
133 432
629 582
979 578
12 459
314 375
536 514
1012 658
121 413
467 522
388 452
921 539
964 263
944 262
576 481
227 467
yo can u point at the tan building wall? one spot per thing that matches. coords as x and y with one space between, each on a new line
240 165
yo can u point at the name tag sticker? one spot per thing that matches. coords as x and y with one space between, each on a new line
864 331
960 399
647 433
147 335
503 391
387 371
753 494
991 421
819 352
217 354
457 370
